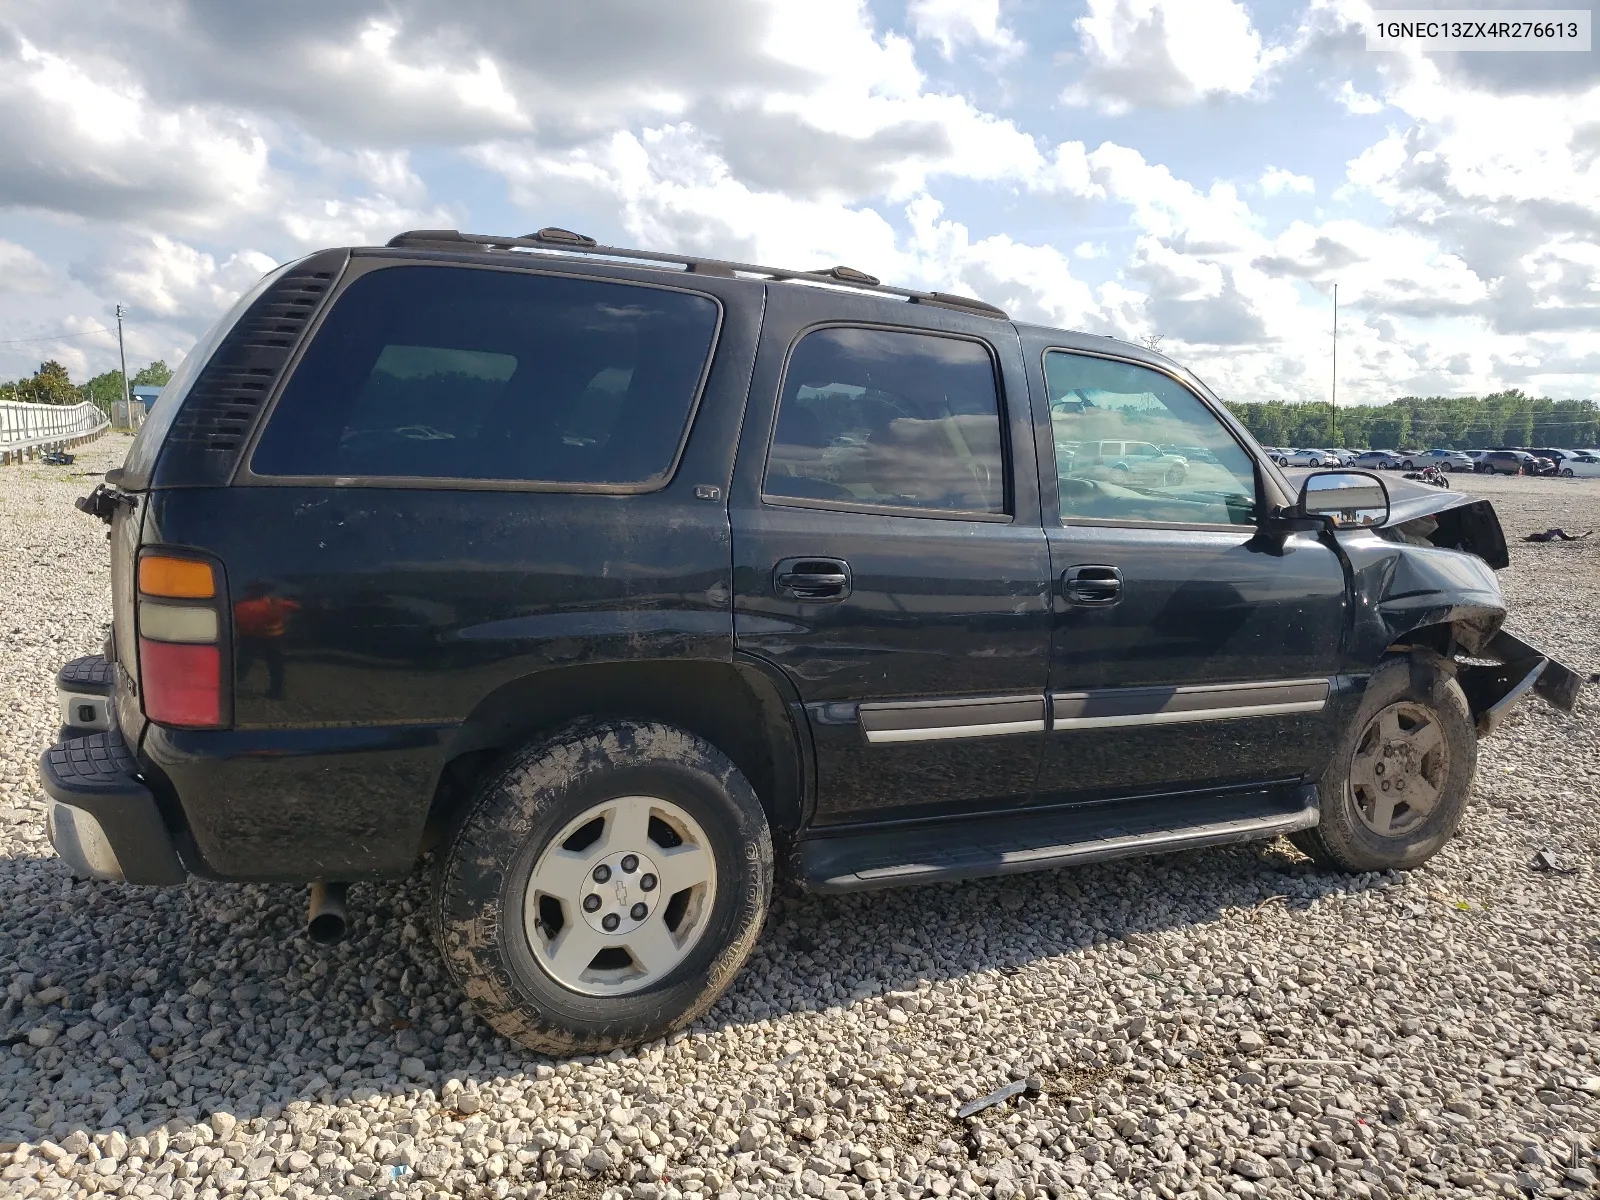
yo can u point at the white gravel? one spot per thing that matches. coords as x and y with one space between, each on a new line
1222 1022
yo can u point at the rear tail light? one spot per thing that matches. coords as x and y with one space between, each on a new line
180 641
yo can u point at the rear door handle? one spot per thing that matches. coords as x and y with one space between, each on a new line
1091 586
812 579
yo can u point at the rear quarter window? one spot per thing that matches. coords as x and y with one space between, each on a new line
463 373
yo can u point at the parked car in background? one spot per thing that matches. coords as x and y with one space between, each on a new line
1129 462
1538 463
1477 458
1378 460
1309 458
1445 460
1193 454
1346 456
1582 464
1278 454
1552 455
1509 462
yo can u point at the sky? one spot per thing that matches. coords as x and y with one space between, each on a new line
1204 171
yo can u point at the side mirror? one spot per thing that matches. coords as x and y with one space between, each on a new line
1352 499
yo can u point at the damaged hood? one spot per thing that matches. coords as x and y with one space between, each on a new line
1442 517
1409 499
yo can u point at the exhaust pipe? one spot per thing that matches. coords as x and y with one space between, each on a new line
326 921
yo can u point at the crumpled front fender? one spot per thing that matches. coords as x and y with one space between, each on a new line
1399 588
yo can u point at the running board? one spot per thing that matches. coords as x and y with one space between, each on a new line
1038 841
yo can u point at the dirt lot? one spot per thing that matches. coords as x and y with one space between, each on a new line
1226 1022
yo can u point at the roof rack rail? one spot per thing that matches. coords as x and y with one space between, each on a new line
552 238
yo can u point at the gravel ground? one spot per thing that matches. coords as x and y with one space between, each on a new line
1230 1021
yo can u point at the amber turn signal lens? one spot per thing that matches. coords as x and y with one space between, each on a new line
176 578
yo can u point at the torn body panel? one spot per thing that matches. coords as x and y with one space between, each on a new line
1426 580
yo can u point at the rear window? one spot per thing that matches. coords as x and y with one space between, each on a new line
461 373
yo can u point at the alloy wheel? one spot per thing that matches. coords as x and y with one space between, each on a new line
620 896
1400 764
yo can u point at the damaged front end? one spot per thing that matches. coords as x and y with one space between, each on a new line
1410 597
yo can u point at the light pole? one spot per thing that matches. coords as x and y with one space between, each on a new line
127 397
1333 393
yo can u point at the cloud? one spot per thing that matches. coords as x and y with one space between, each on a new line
24 272
1275 181
164 278
1358 103
186 144
91 141
1506 183
1168 53
958 23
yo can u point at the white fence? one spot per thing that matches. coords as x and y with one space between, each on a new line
29 429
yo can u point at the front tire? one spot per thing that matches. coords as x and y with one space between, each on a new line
1566 472
1397 788
604 888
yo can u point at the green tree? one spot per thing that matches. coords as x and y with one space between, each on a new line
50 384
104 389
156 374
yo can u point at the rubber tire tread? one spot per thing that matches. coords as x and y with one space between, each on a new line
483 869
1340 841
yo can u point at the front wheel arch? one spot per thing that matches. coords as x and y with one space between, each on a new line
1345 838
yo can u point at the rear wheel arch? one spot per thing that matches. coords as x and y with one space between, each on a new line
736 706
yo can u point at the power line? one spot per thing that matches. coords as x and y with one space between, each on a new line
60 337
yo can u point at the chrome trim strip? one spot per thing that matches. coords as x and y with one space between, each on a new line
966 717
1113 708
1189 715
941 732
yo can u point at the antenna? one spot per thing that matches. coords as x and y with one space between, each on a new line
1334 391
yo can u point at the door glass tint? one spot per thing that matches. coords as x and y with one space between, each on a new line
1133 444
449 372
876 418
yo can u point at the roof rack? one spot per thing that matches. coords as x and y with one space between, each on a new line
565 241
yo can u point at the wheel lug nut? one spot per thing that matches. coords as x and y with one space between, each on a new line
602 873
591 903
647 882
630 863
610 921
639 911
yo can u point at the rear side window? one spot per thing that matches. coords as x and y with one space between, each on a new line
460 373
878 418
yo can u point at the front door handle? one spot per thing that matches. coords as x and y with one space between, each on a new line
1091 587
812 579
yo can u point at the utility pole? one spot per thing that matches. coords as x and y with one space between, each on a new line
127 396
1333 394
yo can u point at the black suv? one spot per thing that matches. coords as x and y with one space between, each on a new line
624 583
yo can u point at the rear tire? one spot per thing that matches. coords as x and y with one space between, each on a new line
1398 785
1566 472
567 965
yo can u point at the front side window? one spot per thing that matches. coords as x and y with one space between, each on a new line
878 418
1135 445
457 373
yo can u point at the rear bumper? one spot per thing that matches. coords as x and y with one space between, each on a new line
103 821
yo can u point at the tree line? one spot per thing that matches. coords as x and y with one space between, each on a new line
51 384
1508 418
